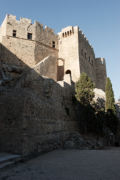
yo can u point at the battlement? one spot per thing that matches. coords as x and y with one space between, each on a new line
68 31
13 18
100 61
32 42
84 38
43 28
23 28
24 21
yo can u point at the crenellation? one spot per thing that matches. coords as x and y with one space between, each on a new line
37 71
11 17
31 43
26 20
100 60
48 29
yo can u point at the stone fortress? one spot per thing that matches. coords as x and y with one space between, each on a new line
52 55
38 69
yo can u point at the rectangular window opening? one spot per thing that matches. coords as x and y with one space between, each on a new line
14 33
29 36
53 44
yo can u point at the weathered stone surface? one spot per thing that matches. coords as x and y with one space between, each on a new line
30 51
99 98
47 67
26 44
77 141
36 116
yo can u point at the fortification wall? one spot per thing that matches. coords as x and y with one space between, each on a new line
14 40
46 42
46 35
68 50
100 73
47 67
16 50
28 42
36 117
86 57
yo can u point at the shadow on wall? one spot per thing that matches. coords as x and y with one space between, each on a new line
37 114
11 67
7 57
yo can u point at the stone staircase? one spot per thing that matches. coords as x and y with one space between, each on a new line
8 159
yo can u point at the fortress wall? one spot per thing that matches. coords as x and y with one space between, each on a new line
18 51
86 57
22 27
18 47
36 117
42 51
46 35
101 74
47 67
68 50
11 123
3 27
28 42
46 42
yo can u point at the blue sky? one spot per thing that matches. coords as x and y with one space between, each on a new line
99 20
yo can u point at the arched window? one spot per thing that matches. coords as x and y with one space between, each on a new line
68 33
63 34
60 62
68 72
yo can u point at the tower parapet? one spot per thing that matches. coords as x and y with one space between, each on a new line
30 43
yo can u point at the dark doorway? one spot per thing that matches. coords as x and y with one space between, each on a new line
60 69
68 72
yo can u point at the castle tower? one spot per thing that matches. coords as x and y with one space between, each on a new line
69 52
78 56
24 43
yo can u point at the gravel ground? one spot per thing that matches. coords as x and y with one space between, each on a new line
68 165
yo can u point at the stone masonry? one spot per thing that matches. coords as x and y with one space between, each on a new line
38 69
31 43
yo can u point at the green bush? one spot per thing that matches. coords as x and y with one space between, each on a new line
110 101
84 89
91 119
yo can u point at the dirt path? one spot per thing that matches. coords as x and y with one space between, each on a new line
68 165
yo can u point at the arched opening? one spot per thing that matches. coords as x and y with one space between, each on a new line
68 72
60 69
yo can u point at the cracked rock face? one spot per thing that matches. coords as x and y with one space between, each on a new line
77 141
99 98
10 74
